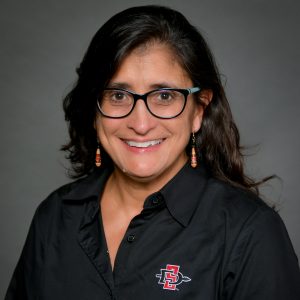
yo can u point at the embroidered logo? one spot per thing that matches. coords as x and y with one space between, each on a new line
170 277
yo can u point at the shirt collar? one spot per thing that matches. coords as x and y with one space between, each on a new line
90 186
181 194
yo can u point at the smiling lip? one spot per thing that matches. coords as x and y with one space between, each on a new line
145 144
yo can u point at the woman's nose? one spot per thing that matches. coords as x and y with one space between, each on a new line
140 119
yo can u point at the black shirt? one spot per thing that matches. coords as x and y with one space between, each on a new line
196 238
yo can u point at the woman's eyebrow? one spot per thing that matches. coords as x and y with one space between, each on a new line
157 85
161 85
119 85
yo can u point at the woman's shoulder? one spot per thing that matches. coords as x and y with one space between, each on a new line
240 212
216 201
60 193
257 241
72 194
236 201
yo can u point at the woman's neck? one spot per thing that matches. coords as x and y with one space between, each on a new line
128 193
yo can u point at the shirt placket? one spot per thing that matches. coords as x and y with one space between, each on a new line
89 238
125 261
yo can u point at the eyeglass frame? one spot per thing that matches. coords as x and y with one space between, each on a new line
143 97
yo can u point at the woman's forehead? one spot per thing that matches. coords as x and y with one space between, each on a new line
154 56
152 61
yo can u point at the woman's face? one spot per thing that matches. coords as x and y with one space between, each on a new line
142 146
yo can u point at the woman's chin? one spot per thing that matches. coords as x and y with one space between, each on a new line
140 173
147 171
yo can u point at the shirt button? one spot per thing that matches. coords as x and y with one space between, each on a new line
157 199
130 238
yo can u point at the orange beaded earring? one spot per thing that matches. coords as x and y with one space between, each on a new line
194 162
98 156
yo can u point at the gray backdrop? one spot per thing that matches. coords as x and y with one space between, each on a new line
257 47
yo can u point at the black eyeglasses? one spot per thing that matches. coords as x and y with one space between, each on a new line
165 103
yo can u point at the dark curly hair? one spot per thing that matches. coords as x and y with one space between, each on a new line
218 139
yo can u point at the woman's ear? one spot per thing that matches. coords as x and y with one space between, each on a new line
206 96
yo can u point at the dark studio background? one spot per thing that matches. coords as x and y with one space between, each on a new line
256 45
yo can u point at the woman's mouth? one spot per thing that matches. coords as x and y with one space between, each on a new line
145 144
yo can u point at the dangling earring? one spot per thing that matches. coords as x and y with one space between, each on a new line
194 162
98 156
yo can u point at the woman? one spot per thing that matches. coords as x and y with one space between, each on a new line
167 212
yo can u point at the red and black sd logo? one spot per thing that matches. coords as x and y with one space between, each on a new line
170 277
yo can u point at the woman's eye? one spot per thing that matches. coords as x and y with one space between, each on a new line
165 97
118 96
